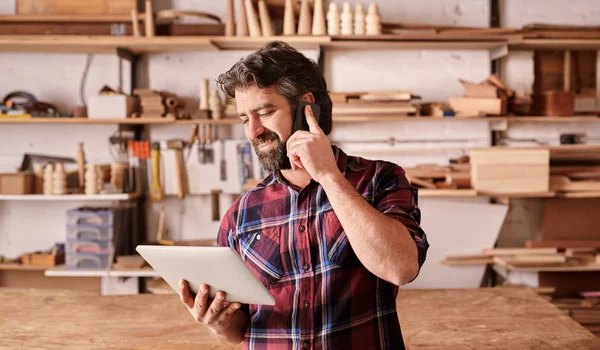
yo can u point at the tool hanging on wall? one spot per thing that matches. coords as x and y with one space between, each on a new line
156 190
216 204
202 145
210 154
223 168
177 147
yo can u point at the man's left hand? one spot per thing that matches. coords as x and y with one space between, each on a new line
311 149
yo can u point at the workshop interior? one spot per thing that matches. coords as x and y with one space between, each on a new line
115 134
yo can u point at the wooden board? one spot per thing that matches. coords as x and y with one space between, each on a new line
519 251
75 7
563 183
576 219
430 319
564 243
473 105
450 319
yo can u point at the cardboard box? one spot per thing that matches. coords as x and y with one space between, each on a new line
18 183
111 106
505 170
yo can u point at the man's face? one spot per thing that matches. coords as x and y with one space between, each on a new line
267 118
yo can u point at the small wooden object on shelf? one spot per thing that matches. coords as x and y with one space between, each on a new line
305 20
91 180
346 20
149 20
265 19
135 22
59 185
359 20
333 19
373 20
241 28
48 179
289 19
215 105
319 26
230 23
253 22
81 164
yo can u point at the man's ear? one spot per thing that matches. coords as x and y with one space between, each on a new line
308 97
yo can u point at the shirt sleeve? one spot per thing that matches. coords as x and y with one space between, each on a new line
398 199
226 237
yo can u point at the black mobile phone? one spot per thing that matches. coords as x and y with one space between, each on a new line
300 122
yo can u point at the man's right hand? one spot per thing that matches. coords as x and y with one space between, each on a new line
216 314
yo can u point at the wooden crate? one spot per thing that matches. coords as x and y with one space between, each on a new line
17 183
75 7
509 171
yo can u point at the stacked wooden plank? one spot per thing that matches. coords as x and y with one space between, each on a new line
510 170
575 170
530 257
489 97
584 310
151 103
376 103
455 176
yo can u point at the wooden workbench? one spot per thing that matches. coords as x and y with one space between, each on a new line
431 319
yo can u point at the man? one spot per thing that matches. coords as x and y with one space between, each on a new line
330 235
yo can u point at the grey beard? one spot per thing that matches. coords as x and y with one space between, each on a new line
274 159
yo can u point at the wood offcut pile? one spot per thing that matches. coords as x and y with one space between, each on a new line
430 176
375 103
489 97
157 104
539 257
585 310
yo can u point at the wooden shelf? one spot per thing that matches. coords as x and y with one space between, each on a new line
230 120
254 43
63 271
68 197
470 193
555 44
20 267
558 268
134 121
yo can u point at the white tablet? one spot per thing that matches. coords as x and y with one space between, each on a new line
219 267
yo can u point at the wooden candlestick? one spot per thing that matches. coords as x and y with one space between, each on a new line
230 23
253 24
149 19
305 20
373 20
242 25
319 27
135 22
265 19
333 19
347 19
359 20
289 20
204 94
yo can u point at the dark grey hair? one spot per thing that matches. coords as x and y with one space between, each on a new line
280 65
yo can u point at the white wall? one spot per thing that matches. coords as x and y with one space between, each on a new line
432 74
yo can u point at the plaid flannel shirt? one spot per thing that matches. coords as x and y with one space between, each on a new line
294 243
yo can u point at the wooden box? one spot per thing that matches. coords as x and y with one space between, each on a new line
18 183
505 170
478 106
43 259
75 7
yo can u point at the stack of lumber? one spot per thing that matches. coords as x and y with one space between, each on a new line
455 176
129 262
151 103
530 257
575 180
510 170
489 97
397 103
585 311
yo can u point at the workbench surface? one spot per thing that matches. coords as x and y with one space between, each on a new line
497 318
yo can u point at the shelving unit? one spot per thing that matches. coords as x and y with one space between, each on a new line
231 120
63 271
410 41
69 197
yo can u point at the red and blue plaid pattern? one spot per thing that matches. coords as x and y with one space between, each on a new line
294 243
